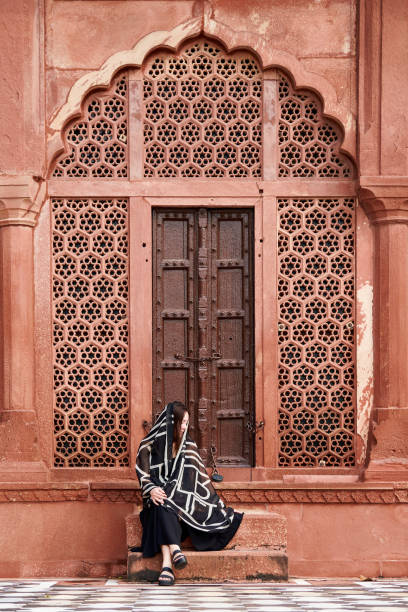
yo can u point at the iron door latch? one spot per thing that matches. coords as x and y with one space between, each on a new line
254 426
213 357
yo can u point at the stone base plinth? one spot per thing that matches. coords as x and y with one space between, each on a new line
389 454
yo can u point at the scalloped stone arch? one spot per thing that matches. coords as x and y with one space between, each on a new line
172 39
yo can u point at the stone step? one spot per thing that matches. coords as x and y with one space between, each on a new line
217 566
258 530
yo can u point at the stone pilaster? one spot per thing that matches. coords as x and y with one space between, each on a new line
20 199
385 200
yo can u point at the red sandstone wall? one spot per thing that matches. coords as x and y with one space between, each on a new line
63 539
333 540
47 46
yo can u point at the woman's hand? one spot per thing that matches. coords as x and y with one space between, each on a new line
158 496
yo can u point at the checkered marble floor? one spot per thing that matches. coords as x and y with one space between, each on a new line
297 595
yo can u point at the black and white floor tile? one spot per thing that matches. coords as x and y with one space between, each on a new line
295 596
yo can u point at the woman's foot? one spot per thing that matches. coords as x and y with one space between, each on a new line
166 577
179 560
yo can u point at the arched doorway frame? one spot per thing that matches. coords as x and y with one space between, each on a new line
261 195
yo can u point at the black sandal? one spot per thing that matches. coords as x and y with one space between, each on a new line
180 561
165 580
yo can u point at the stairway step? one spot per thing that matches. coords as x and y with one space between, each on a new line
261 530
258 530
217 566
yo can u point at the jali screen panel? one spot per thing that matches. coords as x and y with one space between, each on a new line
97 142
309 143
90 334
202 114
316 332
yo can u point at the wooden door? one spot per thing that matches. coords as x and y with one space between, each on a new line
203 336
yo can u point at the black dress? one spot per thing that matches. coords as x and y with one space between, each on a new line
163 526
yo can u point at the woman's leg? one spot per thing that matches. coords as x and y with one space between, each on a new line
167 552
173 547
166 575
178 558
166 555
171 531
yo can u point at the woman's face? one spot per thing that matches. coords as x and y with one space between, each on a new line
184 423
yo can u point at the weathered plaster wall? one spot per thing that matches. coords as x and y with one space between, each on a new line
364 332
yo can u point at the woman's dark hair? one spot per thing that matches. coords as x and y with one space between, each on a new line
179 410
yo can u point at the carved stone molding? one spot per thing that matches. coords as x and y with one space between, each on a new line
129 493
123 496
316 496
21 198
31 492
299 495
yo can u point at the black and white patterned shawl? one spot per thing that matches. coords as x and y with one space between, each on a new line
189 490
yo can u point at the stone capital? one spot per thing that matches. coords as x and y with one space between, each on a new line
384 198
21 198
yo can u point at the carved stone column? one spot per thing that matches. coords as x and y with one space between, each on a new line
385 201
20 458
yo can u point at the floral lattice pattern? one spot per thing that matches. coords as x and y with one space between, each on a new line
316 332
202 114
90 337
97 142
309 143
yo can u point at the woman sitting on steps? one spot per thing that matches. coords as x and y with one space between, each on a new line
179 499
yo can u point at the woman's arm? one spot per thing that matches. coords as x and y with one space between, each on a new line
149 488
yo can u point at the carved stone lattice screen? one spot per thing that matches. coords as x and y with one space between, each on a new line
90 334
96 143
316 332
202 114
309 143
198 114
